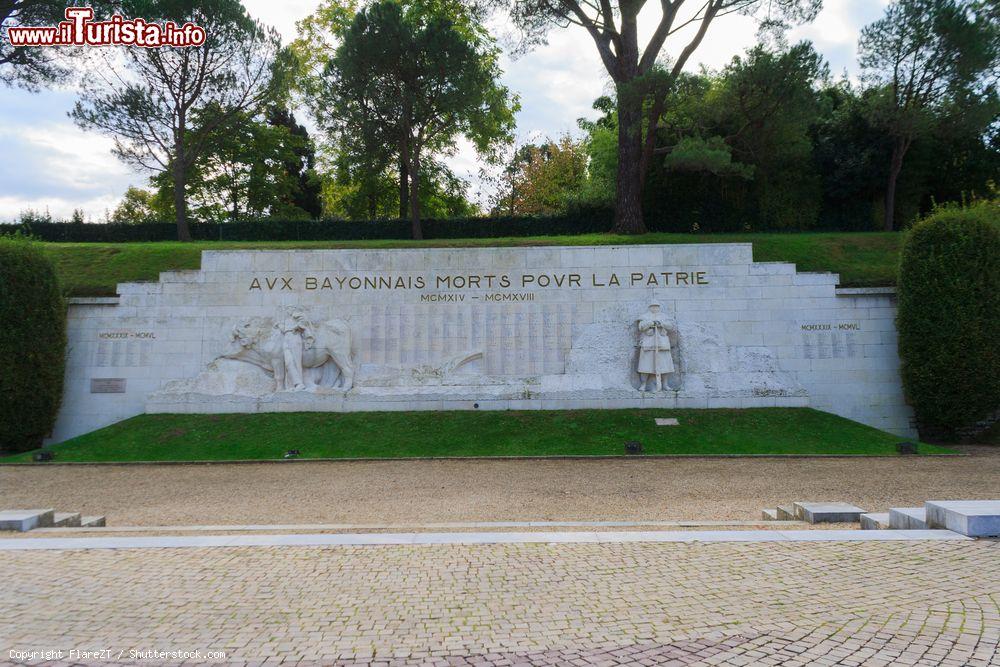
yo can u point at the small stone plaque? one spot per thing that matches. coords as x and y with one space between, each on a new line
107 385
667 421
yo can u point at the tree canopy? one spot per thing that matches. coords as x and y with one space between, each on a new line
770 142
397 87
32 67
406 81
642 82
541 179
928 62
148 99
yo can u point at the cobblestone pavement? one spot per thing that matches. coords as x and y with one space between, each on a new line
871 603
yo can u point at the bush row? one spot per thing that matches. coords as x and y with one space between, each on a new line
317 230
582 219
32 344
949 318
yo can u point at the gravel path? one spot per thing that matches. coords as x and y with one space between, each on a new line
434 491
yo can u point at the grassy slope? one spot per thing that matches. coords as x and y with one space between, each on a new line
92 269
799 431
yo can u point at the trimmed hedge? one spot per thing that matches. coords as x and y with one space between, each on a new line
582 222
32 344
949 318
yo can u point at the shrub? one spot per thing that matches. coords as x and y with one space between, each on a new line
949 317
583 221
32 344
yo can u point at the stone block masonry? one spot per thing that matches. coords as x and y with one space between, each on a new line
24 520
975 518
483 328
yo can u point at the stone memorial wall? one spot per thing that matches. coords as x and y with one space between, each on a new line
690 326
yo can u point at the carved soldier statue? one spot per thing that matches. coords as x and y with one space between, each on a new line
655 359
296 336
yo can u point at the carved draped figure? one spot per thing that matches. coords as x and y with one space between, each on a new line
654 346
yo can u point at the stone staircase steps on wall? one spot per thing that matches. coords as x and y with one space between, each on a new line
827 512
815 512
786 513
875 521
25 520
907 518
66 520
972 518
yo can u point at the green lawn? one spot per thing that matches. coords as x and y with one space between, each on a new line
756 432
869 258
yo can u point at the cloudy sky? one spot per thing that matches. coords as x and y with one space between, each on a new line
47 163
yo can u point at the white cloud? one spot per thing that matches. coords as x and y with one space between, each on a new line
52 164
281 15
839 24
60 208
73 158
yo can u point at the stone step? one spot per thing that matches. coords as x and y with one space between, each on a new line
769 515
907 518
786 513
25 520
972 518
827 512
66 520
92 522
875 521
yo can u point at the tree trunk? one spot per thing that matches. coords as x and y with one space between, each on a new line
404 188
418 233
180 198
628 89
628 201
899 149
234 216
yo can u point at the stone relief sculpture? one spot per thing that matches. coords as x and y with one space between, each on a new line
655 359
296 336
289 346
299 358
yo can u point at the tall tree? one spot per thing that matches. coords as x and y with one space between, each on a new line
355 174
363 195
500 180
356 189
300 165
764 105
641 85
147 99
548 176
136 207
849 154
408 79
250 170
926 60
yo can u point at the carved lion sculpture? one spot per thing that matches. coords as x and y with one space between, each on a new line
327 352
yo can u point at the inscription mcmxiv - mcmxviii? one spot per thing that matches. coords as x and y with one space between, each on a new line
483 281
